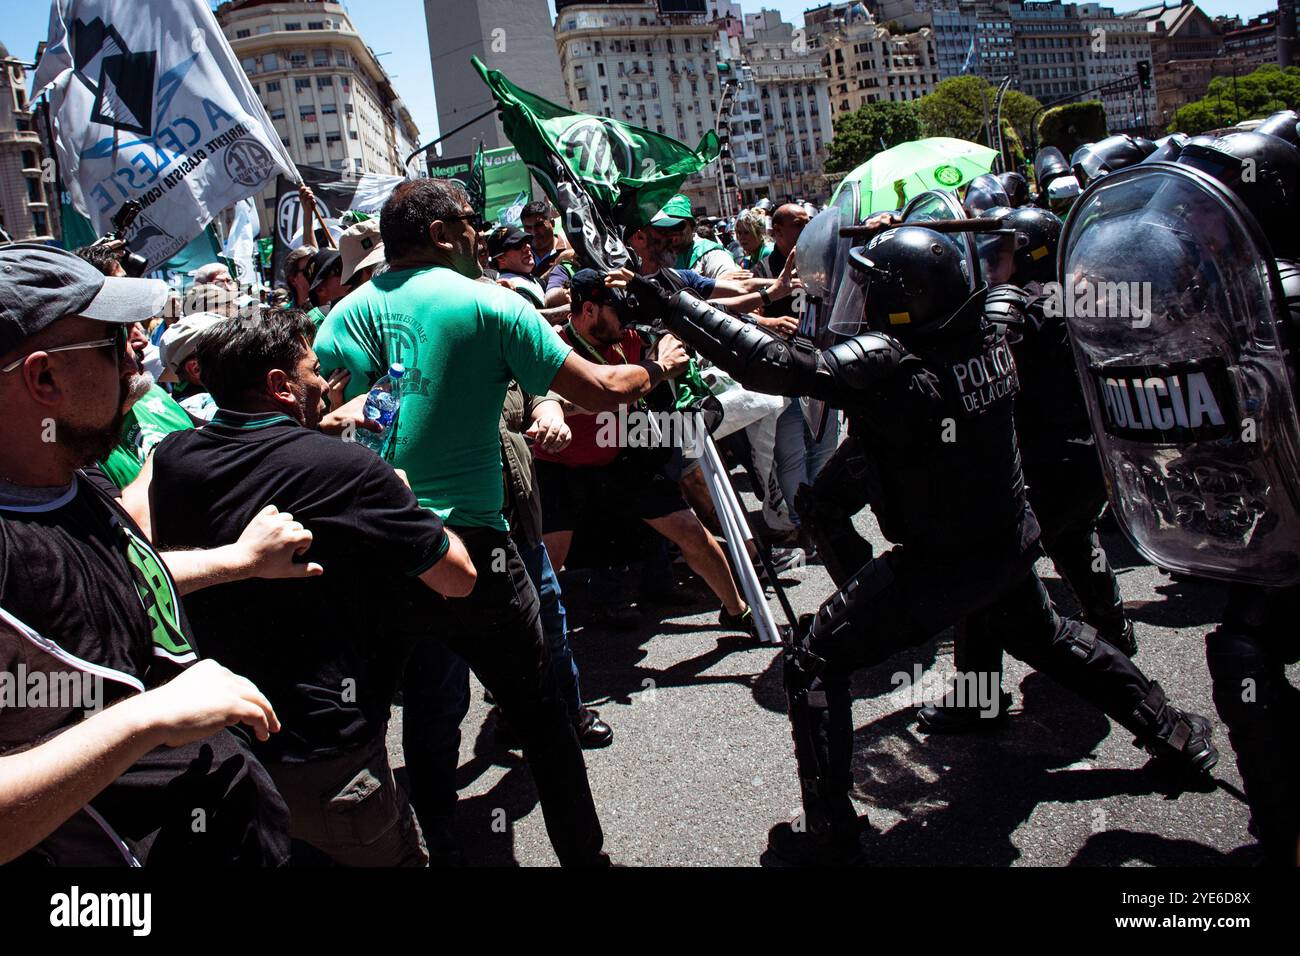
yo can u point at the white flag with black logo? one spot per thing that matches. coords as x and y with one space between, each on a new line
150 104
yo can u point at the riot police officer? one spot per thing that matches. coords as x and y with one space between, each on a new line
1209 487
928 383
1059 457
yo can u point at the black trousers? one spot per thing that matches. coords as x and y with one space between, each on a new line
840 490
497 631
1068 493
900 600
1247 656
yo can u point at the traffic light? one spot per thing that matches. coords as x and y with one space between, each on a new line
1144 74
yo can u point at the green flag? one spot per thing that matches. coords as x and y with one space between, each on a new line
477 185
629 172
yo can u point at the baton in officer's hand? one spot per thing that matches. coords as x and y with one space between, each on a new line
867 230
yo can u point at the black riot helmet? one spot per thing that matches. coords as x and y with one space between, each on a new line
1168 148
915 282
1038 235
984 192
1282 124
1264 172
1049 163
1094 160
1016 187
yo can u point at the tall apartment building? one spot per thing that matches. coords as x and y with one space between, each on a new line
1115 46
329 99
24 197
513 36
796 112
633 63
1186 52
866 63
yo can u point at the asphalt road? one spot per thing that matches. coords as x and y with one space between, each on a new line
702 764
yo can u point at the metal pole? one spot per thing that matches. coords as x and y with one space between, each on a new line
435 142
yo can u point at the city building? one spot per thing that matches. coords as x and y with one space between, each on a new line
1253 43
329 98
1115 47
513 36
865 62
791 81
25 197
1186 53
635 63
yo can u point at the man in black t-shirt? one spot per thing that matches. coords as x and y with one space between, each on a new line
83 594
328 649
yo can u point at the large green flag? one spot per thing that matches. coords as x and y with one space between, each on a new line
627 172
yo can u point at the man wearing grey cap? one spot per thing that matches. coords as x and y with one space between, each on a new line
83 591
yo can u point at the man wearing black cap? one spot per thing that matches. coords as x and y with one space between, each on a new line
597 475
510 251
324 274
82 591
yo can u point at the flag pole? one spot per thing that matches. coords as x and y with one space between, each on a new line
432 143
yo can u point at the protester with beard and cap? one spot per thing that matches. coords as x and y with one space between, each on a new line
295 275
591 475
462 342
676 222
362 250
376 551
82 591
324 274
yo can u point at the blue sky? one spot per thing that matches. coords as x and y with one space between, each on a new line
396 30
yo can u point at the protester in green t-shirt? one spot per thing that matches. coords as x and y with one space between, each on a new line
462 342
151 419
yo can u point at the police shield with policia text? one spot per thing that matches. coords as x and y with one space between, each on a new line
1193 405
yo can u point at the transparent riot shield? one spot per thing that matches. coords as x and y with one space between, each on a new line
1177 327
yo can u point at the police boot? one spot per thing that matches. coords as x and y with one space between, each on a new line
1258 706
976 702
827 832
1178 740
1122 637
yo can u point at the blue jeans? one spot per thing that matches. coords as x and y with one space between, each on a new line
797 458
554 624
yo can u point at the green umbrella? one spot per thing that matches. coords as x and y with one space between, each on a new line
892 177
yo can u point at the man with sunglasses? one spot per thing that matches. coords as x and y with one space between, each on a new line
82 591
462 341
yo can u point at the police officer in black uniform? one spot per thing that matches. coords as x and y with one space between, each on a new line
1248 652
1062 471
928 384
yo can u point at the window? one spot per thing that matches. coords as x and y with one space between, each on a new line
277 114
329 109
293 26
38 222
352 134
271 62
249 64
333 137
257 89
34 191
600 69
320 57
307 114
341 57
312 139
300 84
582 94
315 24
324 82
29 159
273 86
297 60
264 28
240 34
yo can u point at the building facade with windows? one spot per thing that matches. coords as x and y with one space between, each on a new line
25 197
329 99
632 63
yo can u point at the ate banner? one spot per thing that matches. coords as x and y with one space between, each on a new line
148 103
508 186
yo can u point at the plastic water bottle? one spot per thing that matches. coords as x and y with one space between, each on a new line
381 406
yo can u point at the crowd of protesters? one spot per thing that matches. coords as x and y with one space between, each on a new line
185 521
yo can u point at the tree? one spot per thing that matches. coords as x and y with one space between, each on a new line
1069 126
956 108
859 135
1231 100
